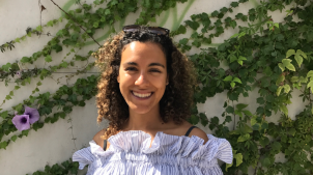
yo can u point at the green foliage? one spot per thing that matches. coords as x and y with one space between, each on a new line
274 58
282 59
64 99
65 168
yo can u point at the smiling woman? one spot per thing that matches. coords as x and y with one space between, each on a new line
146 94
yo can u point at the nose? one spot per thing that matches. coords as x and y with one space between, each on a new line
142 80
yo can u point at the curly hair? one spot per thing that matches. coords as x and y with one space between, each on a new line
177 99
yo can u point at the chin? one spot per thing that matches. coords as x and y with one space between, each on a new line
139 109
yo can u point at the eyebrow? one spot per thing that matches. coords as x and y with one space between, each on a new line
151 64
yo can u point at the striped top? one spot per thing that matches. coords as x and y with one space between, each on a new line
130 154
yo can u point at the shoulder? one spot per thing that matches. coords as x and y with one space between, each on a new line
199 133
185 126
98 138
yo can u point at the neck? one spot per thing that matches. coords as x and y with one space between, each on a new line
145 122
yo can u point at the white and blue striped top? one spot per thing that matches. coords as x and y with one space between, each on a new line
130 154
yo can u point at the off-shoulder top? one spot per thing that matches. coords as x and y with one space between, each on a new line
130 153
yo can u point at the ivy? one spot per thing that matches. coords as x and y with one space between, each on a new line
66 167
83 89
272 58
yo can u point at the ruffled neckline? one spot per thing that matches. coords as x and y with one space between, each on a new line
137 141
165 149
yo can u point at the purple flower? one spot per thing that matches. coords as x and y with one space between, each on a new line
32 113
21 122
19 74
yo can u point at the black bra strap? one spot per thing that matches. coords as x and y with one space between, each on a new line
105 145
189 130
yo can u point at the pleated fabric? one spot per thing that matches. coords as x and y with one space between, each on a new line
130 154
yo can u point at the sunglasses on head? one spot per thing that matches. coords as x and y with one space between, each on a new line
152 30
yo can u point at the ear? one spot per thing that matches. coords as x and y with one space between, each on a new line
118 79
167 80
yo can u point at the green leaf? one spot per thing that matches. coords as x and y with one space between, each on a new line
232 84
64 64
48 58
291 67
6 67
236 79
264 141
3 145
266 162
281 66
228 166
300 52
232 58
294 79
230 109
284 109
286 88
310 74
276 146
292 131
181 29
4 114
234 4
241 106
239 159
247 113
310 85
228 78
8 97
290 52
25 60
183 41
107 12
243 138
192 24
253 120
39 28
194 119
299 59
286 62
13 138
204 119
228 119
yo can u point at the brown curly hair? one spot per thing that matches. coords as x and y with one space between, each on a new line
177 100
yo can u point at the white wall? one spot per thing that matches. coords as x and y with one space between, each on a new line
54 142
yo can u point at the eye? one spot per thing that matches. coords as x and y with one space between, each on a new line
131 69
155 70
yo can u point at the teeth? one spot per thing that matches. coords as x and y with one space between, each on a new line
142 95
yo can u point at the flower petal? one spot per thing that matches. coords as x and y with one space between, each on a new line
33 114
21 122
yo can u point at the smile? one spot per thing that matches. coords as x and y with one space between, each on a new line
146 95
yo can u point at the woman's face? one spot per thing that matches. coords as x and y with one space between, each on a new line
142 76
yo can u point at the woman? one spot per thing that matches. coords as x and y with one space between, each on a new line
145 92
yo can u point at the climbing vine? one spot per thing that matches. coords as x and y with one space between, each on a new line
272 59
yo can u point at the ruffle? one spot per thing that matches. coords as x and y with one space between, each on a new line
166 149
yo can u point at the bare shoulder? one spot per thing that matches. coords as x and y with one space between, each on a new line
195 131
98 138
200 133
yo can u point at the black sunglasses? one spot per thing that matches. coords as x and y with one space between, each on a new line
153 30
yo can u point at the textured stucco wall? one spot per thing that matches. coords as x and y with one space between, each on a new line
54 142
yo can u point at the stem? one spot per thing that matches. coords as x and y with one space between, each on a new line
234 116
75 22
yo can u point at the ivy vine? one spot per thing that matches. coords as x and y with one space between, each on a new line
272 57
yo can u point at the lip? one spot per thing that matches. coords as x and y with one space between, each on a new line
142 93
